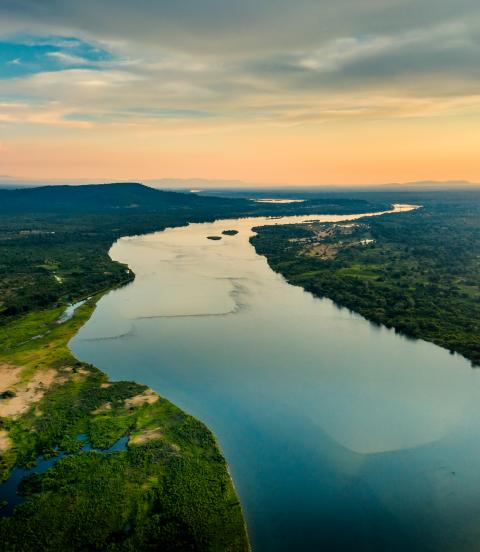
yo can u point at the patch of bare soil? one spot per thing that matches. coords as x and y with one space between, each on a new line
9 376
105 407
147 435
5 443
148 397
27 393
323 251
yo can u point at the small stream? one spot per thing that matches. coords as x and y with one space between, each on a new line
9 488
69 311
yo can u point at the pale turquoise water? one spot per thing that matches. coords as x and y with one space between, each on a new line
339 435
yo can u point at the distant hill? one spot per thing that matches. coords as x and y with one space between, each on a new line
197 184
130 198
125 196
432 186
241 188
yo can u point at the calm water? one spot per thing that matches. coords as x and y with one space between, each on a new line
339 435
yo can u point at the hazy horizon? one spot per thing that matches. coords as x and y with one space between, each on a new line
202 184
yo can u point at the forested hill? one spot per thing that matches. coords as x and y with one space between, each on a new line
130 196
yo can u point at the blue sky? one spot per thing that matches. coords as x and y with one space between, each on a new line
20 56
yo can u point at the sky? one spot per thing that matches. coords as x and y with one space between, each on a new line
264 91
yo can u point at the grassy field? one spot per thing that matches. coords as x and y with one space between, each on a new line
169 490
417 272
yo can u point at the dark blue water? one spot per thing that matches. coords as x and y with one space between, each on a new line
339 435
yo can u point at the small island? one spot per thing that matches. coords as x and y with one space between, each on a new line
230 232
215 238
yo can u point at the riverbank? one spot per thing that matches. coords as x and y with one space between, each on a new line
169 487
416 272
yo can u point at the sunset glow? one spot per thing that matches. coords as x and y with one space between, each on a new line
353 91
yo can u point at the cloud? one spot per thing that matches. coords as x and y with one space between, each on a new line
230 26
67 59
50 114
276 61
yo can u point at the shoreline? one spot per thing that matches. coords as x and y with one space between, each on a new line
97 298
148 403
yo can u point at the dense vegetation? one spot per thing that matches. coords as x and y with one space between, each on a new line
54 241
418 272
169 490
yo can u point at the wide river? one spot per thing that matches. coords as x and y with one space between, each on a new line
340 435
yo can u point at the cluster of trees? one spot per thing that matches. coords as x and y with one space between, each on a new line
145 498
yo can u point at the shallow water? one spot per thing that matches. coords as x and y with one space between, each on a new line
69 311
339 435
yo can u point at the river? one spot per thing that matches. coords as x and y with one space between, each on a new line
339 434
